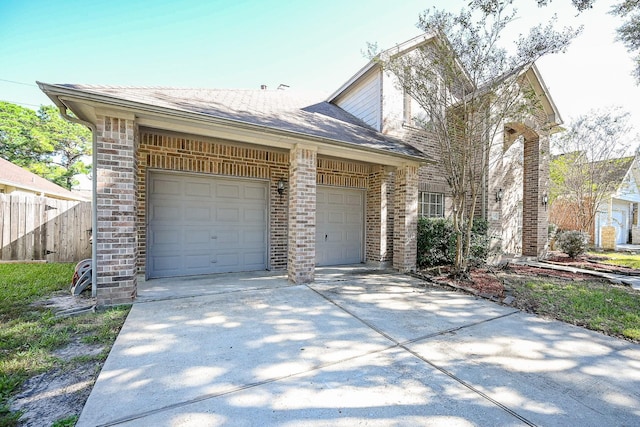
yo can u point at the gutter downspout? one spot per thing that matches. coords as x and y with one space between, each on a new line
94 193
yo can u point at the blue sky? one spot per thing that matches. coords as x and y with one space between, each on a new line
308 45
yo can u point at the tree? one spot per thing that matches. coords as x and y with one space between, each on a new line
19 141
69 143
468 86
583 176
44 143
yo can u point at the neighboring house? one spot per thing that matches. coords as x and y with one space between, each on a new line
617 209
16 180
199 181
620 210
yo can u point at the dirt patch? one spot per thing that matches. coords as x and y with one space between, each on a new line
61 392
55 394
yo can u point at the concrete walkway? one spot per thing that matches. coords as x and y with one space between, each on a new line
361 348
633 281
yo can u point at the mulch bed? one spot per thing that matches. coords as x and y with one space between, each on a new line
489 283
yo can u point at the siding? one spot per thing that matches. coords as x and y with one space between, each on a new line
363 99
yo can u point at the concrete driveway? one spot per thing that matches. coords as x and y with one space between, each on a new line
354 348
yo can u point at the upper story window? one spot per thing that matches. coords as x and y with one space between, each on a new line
431 205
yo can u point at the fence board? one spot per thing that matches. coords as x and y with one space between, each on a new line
31 225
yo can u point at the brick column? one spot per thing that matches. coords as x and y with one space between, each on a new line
301 260
116 237
405 221
378 205
535 218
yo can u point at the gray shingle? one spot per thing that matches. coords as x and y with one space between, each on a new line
275 109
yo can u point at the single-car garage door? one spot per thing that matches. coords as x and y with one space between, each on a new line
339 226
203 225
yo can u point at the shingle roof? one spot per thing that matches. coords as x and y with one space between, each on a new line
286 110
18 177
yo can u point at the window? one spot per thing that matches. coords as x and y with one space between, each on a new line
431 205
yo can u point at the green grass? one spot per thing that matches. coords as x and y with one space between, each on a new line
600 306
623 259
29 334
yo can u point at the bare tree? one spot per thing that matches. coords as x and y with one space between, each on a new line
468 85
584 175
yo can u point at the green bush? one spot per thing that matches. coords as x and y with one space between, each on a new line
572 243
437 242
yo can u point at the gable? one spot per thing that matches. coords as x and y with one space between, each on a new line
363 98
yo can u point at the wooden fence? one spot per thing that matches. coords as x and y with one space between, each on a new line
41 228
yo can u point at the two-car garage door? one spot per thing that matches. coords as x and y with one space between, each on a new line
203 225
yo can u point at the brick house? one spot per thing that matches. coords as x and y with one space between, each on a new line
196 181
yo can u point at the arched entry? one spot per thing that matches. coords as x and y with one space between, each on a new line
534 174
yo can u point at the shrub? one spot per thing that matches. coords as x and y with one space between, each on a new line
437 242
572 243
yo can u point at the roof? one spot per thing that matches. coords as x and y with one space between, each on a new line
617 168
282 110
15 176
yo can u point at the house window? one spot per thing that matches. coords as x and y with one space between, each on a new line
431 205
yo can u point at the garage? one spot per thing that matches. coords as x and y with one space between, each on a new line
339 226
202 225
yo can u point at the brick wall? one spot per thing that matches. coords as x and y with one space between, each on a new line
116 236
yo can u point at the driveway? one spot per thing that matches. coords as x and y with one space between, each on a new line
356 347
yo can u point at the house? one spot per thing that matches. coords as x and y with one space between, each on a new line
200 181
620 209
615 220
17 180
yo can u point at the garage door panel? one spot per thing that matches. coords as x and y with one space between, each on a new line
336 217
251 237
209 226
228 215
255 193
165 213
334 198
253 215
231 191
198 213
197 190
169 187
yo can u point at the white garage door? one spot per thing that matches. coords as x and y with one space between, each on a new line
203 225
339 226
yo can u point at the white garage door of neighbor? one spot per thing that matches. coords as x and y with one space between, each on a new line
339 226
203 225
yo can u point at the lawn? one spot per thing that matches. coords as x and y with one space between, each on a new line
30 334
624 259
593 304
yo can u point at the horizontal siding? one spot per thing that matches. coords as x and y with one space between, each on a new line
363 100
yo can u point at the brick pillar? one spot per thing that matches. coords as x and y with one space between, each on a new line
378 205
535 221
301 260
116 237
405 221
